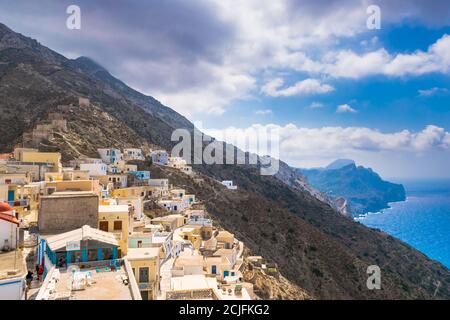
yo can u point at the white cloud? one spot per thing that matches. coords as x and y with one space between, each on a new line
349 64
313 146
304 87
212 51
344 108
263 112
213 97
432 91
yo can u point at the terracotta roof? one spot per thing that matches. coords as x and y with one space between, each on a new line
4 206
9 218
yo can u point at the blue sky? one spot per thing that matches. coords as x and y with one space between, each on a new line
311 69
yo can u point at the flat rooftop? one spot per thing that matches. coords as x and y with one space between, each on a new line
142 253
12 265
121 208
106 285
70 194
192 282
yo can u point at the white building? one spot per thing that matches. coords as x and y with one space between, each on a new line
95 169
161 183
136 205
229 184
12 275
175 205
9 231
110 155
160 157
132 154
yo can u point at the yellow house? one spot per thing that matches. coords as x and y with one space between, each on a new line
145 264
129 192
67 175
73 185
190 233
225 239
116 219
76 175
54 176
170 222
54 158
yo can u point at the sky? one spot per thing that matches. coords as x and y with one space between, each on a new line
313 71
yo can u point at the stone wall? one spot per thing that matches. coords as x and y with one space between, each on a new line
66 213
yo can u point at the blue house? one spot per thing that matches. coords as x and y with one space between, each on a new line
82 246
141 175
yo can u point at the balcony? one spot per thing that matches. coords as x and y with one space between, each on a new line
19 203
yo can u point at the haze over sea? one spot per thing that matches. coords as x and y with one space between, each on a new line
422 221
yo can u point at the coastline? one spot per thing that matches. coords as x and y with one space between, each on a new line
390 206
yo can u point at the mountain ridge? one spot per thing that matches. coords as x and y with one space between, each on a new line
362 187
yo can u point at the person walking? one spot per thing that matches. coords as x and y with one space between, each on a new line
29 278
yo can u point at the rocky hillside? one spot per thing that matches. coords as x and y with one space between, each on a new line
362 187
314 247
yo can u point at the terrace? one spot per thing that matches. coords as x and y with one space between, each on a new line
95 283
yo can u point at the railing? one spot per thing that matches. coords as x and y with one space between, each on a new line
19 203
191 294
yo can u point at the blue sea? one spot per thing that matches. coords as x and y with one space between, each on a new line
422 221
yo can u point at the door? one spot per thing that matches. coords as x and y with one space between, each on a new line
226 273
103 225
214 269
11 195
144 295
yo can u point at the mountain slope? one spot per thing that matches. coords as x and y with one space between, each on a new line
362 187
314 246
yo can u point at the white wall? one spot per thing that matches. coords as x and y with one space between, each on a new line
95 169
8 231
136 203
12 289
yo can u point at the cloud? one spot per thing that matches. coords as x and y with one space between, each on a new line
263 112
201 56
432 91
304 87
349 64
345 108
299 145
316 105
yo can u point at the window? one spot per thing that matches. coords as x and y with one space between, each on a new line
77 256
117 225
139 244
92 254
103 225
107 253
143 275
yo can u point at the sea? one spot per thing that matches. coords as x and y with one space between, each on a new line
422 221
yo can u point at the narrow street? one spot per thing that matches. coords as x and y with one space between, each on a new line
166 276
